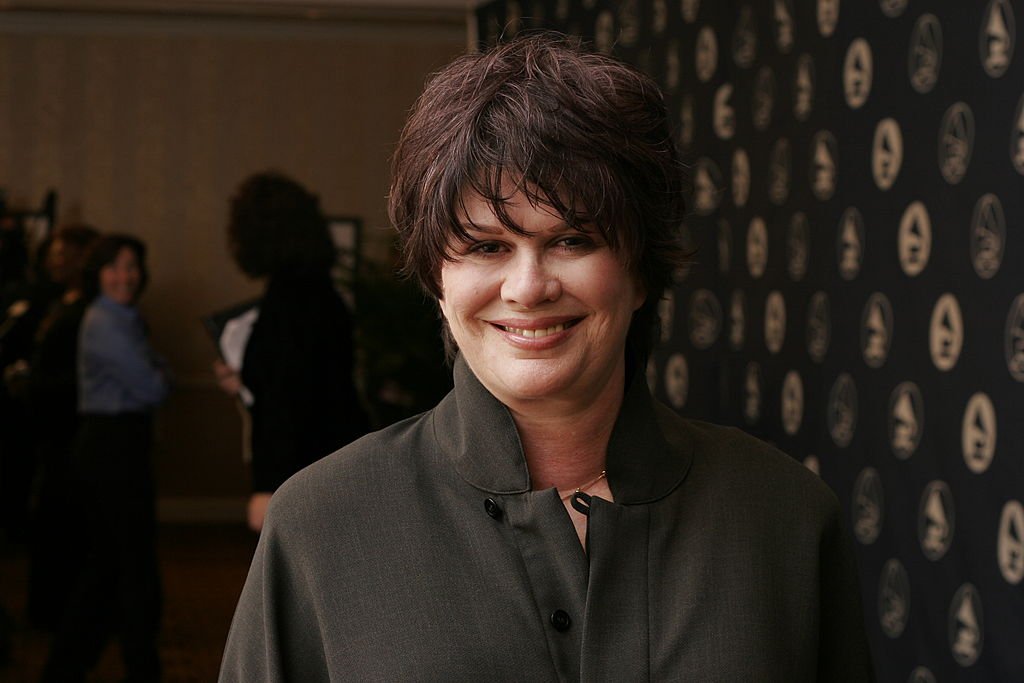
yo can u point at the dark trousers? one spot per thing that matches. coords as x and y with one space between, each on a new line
118 592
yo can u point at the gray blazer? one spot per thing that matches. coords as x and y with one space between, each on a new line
420 553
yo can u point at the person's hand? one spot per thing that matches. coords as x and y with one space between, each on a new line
258 503
227 378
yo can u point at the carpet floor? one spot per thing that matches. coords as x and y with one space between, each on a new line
203 569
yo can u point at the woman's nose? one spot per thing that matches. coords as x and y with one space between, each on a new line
529 282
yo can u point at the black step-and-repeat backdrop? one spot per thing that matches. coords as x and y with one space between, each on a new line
857 172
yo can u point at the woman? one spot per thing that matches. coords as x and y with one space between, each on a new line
548 520
297 367
120 383
52 397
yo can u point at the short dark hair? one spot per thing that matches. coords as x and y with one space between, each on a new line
571 129
104 252
276 225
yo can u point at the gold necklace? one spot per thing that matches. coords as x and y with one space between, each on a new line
582 487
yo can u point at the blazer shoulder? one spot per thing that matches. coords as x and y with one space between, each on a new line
732 455
360 473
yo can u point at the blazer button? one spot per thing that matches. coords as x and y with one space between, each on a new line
491 506
560 620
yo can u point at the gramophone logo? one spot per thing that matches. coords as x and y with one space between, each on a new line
763 98
666 313
1014 339
690 8
724 245
705 319
818 327
797 247
677 380
935 520
824 164
956 142
757 247
803 88
672 66
724 117
850 243
792 402
752 393
740 177
857 73
966 626
914 240
921 675
629 22
876 330
842 410
893 8
988 236
774 321
782 13
998 36
828 16
707 54
604 32
868 506
778 172
686 121
659 18
744 38
946 336
887 153
1010 548
978 433
707 186
893 598
925 56
1017 138
906 419
812 463
737 320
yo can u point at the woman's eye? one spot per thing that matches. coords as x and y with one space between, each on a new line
575 241
484 248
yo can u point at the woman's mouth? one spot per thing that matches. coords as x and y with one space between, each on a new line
539 332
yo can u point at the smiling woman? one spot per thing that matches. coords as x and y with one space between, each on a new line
121 381
548 520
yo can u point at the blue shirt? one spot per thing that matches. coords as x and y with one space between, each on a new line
118 372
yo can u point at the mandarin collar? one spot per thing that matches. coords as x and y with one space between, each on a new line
649 454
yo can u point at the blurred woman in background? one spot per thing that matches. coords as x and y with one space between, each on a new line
121 382
298 362
52 398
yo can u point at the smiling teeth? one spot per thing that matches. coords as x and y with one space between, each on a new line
535 334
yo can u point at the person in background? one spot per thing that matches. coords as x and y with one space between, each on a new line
51 394
121 382
298 361
24 303
549 520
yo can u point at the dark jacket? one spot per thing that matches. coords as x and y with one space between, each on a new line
721 559
298 365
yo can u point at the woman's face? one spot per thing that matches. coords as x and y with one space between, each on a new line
537 316
119 279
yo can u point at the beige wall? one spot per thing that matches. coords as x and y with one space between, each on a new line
145 124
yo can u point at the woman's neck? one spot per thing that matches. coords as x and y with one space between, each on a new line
566 445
